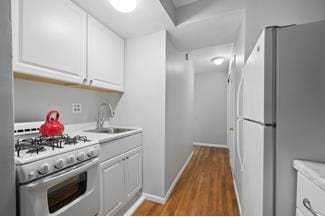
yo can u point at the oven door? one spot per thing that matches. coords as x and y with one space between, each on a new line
71 192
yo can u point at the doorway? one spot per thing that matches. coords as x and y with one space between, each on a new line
231 111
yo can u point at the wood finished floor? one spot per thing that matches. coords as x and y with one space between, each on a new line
205 188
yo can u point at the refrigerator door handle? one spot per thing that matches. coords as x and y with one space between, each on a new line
241 162
238 95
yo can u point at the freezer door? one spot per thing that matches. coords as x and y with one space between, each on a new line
257 88
257 171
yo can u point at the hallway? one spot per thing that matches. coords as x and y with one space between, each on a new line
205 188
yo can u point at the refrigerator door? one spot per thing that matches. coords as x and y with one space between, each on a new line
257 171
300 106
257 87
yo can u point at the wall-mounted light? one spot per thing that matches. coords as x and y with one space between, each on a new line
218 60
124 6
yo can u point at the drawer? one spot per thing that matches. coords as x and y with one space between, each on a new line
308 190
116 147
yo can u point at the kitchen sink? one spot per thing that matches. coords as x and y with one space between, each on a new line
109 130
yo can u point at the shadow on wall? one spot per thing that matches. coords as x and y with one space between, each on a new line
32 101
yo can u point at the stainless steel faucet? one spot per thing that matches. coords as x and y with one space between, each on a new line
100 121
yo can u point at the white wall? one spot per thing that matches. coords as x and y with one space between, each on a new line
143 103
7 169
33 100
262 13
179 112
210 107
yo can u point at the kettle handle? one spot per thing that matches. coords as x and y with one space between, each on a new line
48 117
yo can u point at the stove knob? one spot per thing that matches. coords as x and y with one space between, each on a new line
91 153
71 159
59 164
81 156
44 168
31 174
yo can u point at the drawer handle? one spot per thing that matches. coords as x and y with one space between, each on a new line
308 206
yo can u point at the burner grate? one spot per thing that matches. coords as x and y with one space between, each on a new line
40 144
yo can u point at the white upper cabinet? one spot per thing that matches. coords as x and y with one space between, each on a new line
50 39
105 57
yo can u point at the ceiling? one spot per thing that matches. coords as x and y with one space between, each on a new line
206 28
201 58
149 17
220 29
180 3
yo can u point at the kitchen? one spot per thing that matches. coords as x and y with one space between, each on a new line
122 81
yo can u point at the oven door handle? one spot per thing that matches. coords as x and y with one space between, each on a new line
64 174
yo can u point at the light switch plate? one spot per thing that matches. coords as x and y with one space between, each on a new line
76 108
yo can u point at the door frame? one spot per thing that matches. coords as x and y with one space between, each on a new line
231 110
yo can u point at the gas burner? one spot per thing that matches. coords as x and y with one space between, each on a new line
73 140
36 149
39 144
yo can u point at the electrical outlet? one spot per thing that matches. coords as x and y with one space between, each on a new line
76 108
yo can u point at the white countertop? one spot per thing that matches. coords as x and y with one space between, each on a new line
80 129
314 171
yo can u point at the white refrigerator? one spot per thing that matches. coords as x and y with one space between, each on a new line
280 116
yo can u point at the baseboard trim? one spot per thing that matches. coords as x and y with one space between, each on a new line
237 197
135 206
172 186
154 198
210 145
163 200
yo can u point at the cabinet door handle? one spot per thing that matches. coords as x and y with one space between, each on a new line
308 206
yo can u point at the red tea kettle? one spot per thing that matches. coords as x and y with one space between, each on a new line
52 125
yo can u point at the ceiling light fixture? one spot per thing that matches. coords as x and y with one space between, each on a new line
218 60
124 6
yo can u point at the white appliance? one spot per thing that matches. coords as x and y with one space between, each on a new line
280 109
56 175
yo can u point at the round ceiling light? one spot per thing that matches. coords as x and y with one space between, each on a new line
124 6
218 60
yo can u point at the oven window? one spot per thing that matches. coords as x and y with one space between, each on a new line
67 191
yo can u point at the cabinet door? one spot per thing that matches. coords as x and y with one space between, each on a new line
50 39
112 183
133 172
105 57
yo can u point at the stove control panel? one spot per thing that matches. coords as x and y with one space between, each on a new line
41 168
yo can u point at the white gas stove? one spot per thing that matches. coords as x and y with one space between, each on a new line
56 175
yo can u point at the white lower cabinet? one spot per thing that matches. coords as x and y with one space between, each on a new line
121 179
310 198
133 172
112 172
